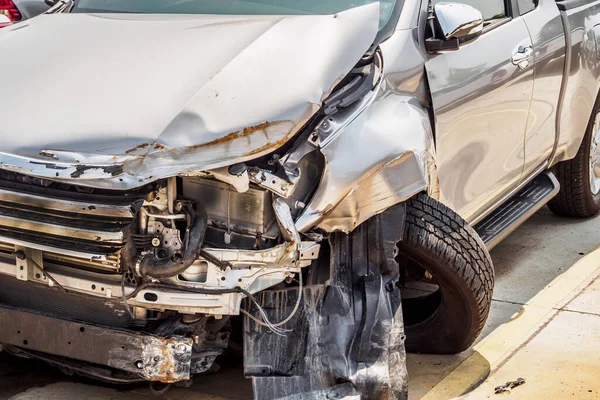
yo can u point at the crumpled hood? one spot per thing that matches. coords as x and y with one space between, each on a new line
96 97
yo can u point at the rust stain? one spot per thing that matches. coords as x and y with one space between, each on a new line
49 154
139 147
265 147
270 145
292 245
234 135
165 368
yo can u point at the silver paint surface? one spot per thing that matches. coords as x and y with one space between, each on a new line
546 30
481 105
162 95
380 152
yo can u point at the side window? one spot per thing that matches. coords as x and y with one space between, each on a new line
491 9
527 5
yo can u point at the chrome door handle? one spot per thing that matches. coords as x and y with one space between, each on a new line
522 57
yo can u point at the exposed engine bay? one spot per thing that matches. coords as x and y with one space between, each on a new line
188 248
191 246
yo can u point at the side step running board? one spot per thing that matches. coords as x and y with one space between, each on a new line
514 211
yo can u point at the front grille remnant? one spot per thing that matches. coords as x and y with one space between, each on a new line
111 263
64 222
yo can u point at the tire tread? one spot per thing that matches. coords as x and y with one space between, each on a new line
438 230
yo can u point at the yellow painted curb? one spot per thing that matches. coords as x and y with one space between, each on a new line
504 341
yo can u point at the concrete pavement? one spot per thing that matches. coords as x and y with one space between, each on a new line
561 360
542 278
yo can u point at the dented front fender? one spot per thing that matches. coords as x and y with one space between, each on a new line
383 157
379 153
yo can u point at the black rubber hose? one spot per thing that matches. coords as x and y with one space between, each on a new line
151 266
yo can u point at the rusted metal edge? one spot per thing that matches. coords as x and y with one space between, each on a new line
151 357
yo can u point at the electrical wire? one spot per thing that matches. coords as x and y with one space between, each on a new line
268 323
125 297
265 319
214 260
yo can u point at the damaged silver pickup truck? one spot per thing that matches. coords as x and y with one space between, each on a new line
333 171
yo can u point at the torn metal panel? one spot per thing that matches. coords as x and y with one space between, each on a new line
378 157
188 112
282 187
390 184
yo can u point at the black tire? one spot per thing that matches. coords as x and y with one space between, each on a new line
576 198
442 243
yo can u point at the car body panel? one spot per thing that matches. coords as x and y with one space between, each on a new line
481 104
394 139
545 26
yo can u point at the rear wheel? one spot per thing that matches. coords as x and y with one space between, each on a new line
447 279
579 178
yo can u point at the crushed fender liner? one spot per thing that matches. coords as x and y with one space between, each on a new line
347 340
150 357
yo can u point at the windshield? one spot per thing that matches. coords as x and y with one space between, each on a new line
234 7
